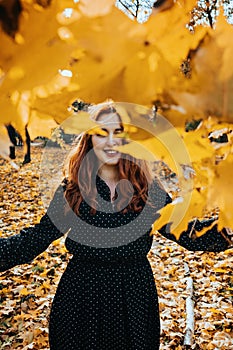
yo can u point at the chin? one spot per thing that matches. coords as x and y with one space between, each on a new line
112 162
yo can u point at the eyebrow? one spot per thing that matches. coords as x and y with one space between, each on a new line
118 129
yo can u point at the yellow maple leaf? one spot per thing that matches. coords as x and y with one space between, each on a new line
24 291
181 213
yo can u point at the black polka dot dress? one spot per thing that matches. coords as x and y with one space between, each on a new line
106 298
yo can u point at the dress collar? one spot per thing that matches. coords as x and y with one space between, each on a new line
103 189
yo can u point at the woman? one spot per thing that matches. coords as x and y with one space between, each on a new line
106 299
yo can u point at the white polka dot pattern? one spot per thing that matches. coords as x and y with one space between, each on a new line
106 299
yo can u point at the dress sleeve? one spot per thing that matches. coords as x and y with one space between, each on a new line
158 197
211 241
32 241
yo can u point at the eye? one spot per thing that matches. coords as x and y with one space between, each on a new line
100 132
118 132
101 135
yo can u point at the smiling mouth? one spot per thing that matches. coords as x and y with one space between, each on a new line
111 152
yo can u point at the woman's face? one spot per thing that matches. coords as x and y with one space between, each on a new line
103 143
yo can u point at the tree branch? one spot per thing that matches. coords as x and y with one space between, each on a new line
188 339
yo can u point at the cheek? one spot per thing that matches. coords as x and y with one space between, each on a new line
95 141
98 143
118 141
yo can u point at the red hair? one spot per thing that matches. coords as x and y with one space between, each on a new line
83 168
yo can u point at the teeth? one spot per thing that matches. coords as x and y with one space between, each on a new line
111 151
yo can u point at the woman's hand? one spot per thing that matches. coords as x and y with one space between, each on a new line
227 233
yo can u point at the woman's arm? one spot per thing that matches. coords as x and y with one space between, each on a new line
211 241
31 241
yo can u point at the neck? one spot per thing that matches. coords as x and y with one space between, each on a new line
109 173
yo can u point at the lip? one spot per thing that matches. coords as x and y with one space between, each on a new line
111 152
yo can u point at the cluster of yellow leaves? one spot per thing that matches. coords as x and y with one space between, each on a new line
212 183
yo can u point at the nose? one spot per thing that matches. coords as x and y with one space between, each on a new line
111 140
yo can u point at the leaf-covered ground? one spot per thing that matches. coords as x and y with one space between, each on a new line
27 291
